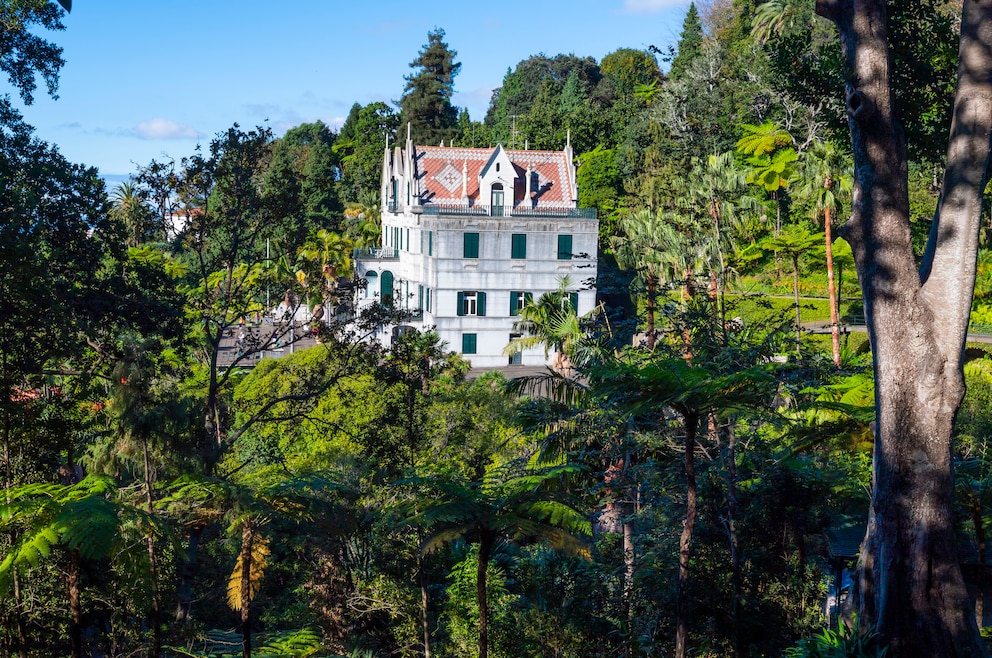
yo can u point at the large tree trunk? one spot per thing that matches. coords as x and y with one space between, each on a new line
911 586
685 540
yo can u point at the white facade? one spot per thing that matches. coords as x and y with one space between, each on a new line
470 234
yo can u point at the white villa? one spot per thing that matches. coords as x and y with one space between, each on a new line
470 234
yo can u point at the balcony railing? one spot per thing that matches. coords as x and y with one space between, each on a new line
378 253
507 211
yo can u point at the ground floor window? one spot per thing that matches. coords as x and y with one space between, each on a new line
468 343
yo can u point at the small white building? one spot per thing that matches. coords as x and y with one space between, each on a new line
470 234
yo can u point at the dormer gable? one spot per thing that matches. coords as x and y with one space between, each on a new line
497 179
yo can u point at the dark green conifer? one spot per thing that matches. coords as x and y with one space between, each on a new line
690 43
426 101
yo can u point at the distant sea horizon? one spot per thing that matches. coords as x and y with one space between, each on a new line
113 180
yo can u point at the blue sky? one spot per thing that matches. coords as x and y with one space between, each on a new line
148 79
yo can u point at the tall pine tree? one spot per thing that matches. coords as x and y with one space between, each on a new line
426 101
690 43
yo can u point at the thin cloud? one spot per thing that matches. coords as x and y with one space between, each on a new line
164 129
649 6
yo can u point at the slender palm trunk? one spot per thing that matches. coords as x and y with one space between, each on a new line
731 526
8 482
247 541
75 607
976 520
187 573
831 290
425 624
486 542
795 293
156 611
685 540
652 296
629 554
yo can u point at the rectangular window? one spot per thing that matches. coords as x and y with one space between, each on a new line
518 245
564 247
518 300
468 343
471 302
408 240
429 309
430 243
573 299
471 245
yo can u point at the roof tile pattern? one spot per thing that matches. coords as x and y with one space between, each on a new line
439 170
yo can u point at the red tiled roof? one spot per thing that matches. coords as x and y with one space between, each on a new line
439 169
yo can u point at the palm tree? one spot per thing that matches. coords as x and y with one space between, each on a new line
777 17
330 254
824 172
130 209
716 194
552 322
87 519
247 507
499 505
794 242
663 249
648 388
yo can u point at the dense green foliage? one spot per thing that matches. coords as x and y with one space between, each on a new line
678 472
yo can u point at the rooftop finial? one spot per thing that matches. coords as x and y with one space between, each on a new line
408 131
568 138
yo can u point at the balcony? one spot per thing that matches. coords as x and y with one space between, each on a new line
507 211
376 253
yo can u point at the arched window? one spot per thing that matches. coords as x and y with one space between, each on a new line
372 285
386 288
497 199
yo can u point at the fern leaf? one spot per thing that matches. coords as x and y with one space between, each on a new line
259 553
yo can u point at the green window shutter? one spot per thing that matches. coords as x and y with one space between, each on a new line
514 301
386 288
528 298
573 299
408 240
518 245
471 245
481 300
461 303
430 243
564 247
468 343
420 297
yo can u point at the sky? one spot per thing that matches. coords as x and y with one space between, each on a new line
150 80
